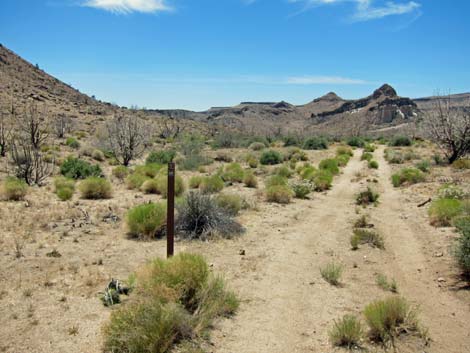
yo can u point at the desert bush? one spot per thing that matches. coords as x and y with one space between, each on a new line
64 188
283 171
160 157
279 194
461 250
270 157
442 211
332 273
257 146
407 176
72 143
150 186
343 159
366 156
75 168
212 184
401 141
233 173
98 155
252 162
364 236
346 332
386 284
315 143
330 165
361 222
146 221
162 185
367 197
94 188
344 150
393 157
200 216
462 163
411 156
250 180
373 164
369 148
322 180
195 181
275 180
135 180
194 161
120 172
230 203
387 318
301 188
174 300
150 170
223 157
423 166
14 189
292 141
355 142
307 172
451 191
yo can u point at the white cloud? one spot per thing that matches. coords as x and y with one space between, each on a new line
128 6
323 80
366 10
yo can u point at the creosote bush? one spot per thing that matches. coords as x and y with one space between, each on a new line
407 176
443 211
211 184
332 273
146 221
200 216
271 157
94 188
364 236
279 194
14 189
346 332
174 300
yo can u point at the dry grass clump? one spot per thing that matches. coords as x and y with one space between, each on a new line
332 273
407 176
322 180
135 181
13 189
364 236
211 184
463 163
146 221
462 247
64 188
386 284
162 185
120 172
95 188
367 197
174 300
443 211
150 186
250 180
279 194
347 332
230 202
195 181
233 173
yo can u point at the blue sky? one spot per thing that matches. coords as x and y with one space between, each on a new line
197 54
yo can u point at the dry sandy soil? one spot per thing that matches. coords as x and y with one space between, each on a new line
51 304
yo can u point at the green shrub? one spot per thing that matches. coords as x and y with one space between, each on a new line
330 165
291 141
276 180
373 164
149 170
72 143
195 181
162 182
252 162
257 146
307 172
401 141
343 159
462 247
75 168
369 148
120 172
212 184
64 188
407 176
355 142
14 189
387 318
160 157
442 211
270 157
302 188
451 191
65 194
344 150
364 236
135 181
367 197
386 284
394 157
346 332
146 221
279 194
283 171
315 143
322 180
200 216
250 180
194 161
463 163
233 173
332 273
150 186
366 156
361 222
423 166
95 188
230 203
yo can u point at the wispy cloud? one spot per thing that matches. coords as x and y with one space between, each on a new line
128 6
366 10
323 80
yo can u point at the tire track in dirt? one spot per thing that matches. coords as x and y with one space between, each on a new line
443 313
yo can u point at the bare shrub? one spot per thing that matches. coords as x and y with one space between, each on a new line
33 125
5 133
62 125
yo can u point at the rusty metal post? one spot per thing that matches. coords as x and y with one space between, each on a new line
170 217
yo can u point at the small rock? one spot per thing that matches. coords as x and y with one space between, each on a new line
242 252
439 254
441 279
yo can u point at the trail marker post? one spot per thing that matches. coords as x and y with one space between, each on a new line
170 214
